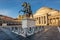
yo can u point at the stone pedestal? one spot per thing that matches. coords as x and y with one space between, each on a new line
26 24
58 29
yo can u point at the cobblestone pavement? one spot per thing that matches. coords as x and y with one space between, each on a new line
50 34
7 35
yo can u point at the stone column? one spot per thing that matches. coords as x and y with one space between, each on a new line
38 20
52 21
58 28
25 31
43 19
14 29
18 30
46 19
49 21
10 28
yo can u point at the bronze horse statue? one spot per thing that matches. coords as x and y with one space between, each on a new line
27 9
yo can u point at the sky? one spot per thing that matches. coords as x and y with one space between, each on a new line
12 7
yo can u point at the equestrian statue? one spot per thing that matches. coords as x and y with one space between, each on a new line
27 9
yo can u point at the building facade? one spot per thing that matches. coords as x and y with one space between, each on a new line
47 17
8 20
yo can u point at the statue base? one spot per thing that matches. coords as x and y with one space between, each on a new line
28 26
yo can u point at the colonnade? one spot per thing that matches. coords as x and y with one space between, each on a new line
54 21
42 20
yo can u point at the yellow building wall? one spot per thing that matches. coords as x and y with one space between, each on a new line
52 17
19 18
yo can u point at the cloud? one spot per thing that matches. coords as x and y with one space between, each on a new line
8 12
5 12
